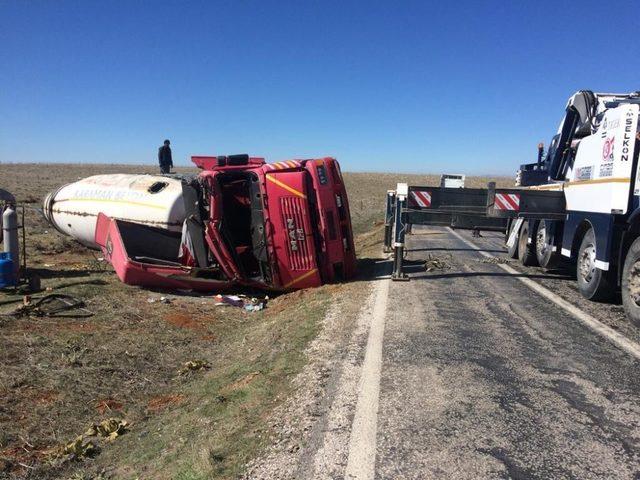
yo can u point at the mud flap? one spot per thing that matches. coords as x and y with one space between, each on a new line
513 234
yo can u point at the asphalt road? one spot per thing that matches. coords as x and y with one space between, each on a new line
481 377
481 369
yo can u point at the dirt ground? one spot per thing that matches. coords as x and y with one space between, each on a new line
58 376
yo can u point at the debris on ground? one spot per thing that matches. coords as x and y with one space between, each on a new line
110 429
80 448
435 263
233 300
159 300
55 305
495 260
194 366
252 304
76 449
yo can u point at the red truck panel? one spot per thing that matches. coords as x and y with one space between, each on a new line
134 272
214 163
335 219
291 229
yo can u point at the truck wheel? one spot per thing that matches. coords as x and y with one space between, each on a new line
526 251
547 258
631 283
593 283
512 251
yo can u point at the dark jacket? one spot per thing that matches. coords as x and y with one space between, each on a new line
164 156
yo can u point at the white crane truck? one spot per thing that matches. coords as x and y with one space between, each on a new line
581 200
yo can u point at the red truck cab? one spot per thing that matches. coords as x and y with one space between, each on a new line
278 226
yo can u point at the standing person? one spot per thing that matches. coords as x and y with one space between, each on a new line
164 157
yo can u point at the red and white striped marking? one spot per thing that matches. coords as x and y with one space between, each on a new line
507 201
419 198
283 165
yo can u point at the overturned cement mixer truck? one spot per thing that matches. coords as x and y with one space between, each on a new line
239 222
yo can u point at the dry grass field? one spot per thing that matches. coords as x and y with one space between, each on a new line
58 376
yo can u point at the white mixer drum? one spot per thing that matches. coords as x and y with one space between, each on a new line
146 199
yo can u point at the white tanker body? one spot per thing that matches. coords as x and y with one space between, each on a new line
146 199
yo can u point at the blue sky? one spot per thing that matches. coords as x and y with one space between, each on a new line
464 86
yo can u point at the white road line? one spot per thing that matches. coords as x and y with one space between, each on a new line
362 444
610 334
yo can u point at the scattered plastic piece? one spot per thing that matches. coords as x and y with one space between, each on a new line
159 300
233 300
242 301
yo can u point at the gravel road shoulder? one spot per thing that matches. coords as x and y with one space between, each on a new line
312 428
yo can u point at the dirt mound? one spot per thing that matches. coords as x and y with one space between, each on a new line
159 403
183 320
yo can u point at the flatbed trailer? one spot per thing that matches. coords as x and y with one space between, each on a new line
463 208
458 208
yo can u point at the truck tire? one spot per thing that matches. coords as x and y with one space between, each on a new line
546 256
593 283
631 283
526 250
512 251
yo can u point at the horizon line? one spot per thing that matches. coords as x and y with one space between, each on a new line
145 165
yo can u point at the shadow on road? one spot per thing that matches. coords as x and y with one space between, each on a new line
449 249
373 268
436 276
